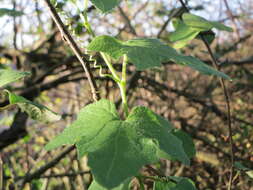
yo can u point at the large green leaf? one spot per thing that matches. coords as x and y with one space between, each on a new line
8 76
155 127
202 24
10 12
35 111
87 124
105 5
121 156
148 53
117 149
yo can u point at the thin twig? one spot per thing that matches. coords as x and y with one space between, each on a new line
66 35
36 174
222 82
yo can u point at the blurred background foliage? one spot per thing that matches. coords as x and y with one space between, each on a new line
30 41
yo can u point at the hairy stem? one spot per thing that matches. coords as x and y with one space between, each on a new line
65 33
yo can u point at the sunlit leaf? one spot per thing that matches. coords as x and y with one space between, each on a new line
34 110
125 146
147 53
202 24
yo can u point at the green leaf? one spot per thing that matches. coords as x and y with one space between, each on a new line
240 166
188 143
124 154
150 125
8 76
148 53
95 186
158 185
105 5
179 183
183 34
250 173
125 146
87 124
184 184
35 111
143 53
10 12
202 24
198 65
221 26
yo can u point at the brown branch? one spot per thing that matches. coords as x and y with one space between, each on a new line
66 35
36 174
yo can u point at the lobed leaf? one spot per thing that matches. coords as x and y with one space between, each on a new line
87 124
35 111
148 53
150 125
118 149
105 5
8 76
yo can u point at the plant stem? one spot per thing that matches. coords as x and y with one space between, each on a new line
77 51
122 86
110 66
121 82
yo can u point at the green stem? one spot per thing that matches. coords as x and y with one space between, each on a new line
121 82
110 66
122 86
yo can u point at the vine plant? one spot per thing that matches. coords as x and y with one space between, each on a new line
117 148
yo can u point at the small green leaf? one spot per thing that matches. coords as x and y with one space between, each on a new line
202 24
182 35
105 5
8 76
184 184
148 53
196 22
10 12
240 166
179 183
35 111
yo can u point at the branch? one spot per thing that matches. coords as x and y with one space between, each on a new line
36 174
66 35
